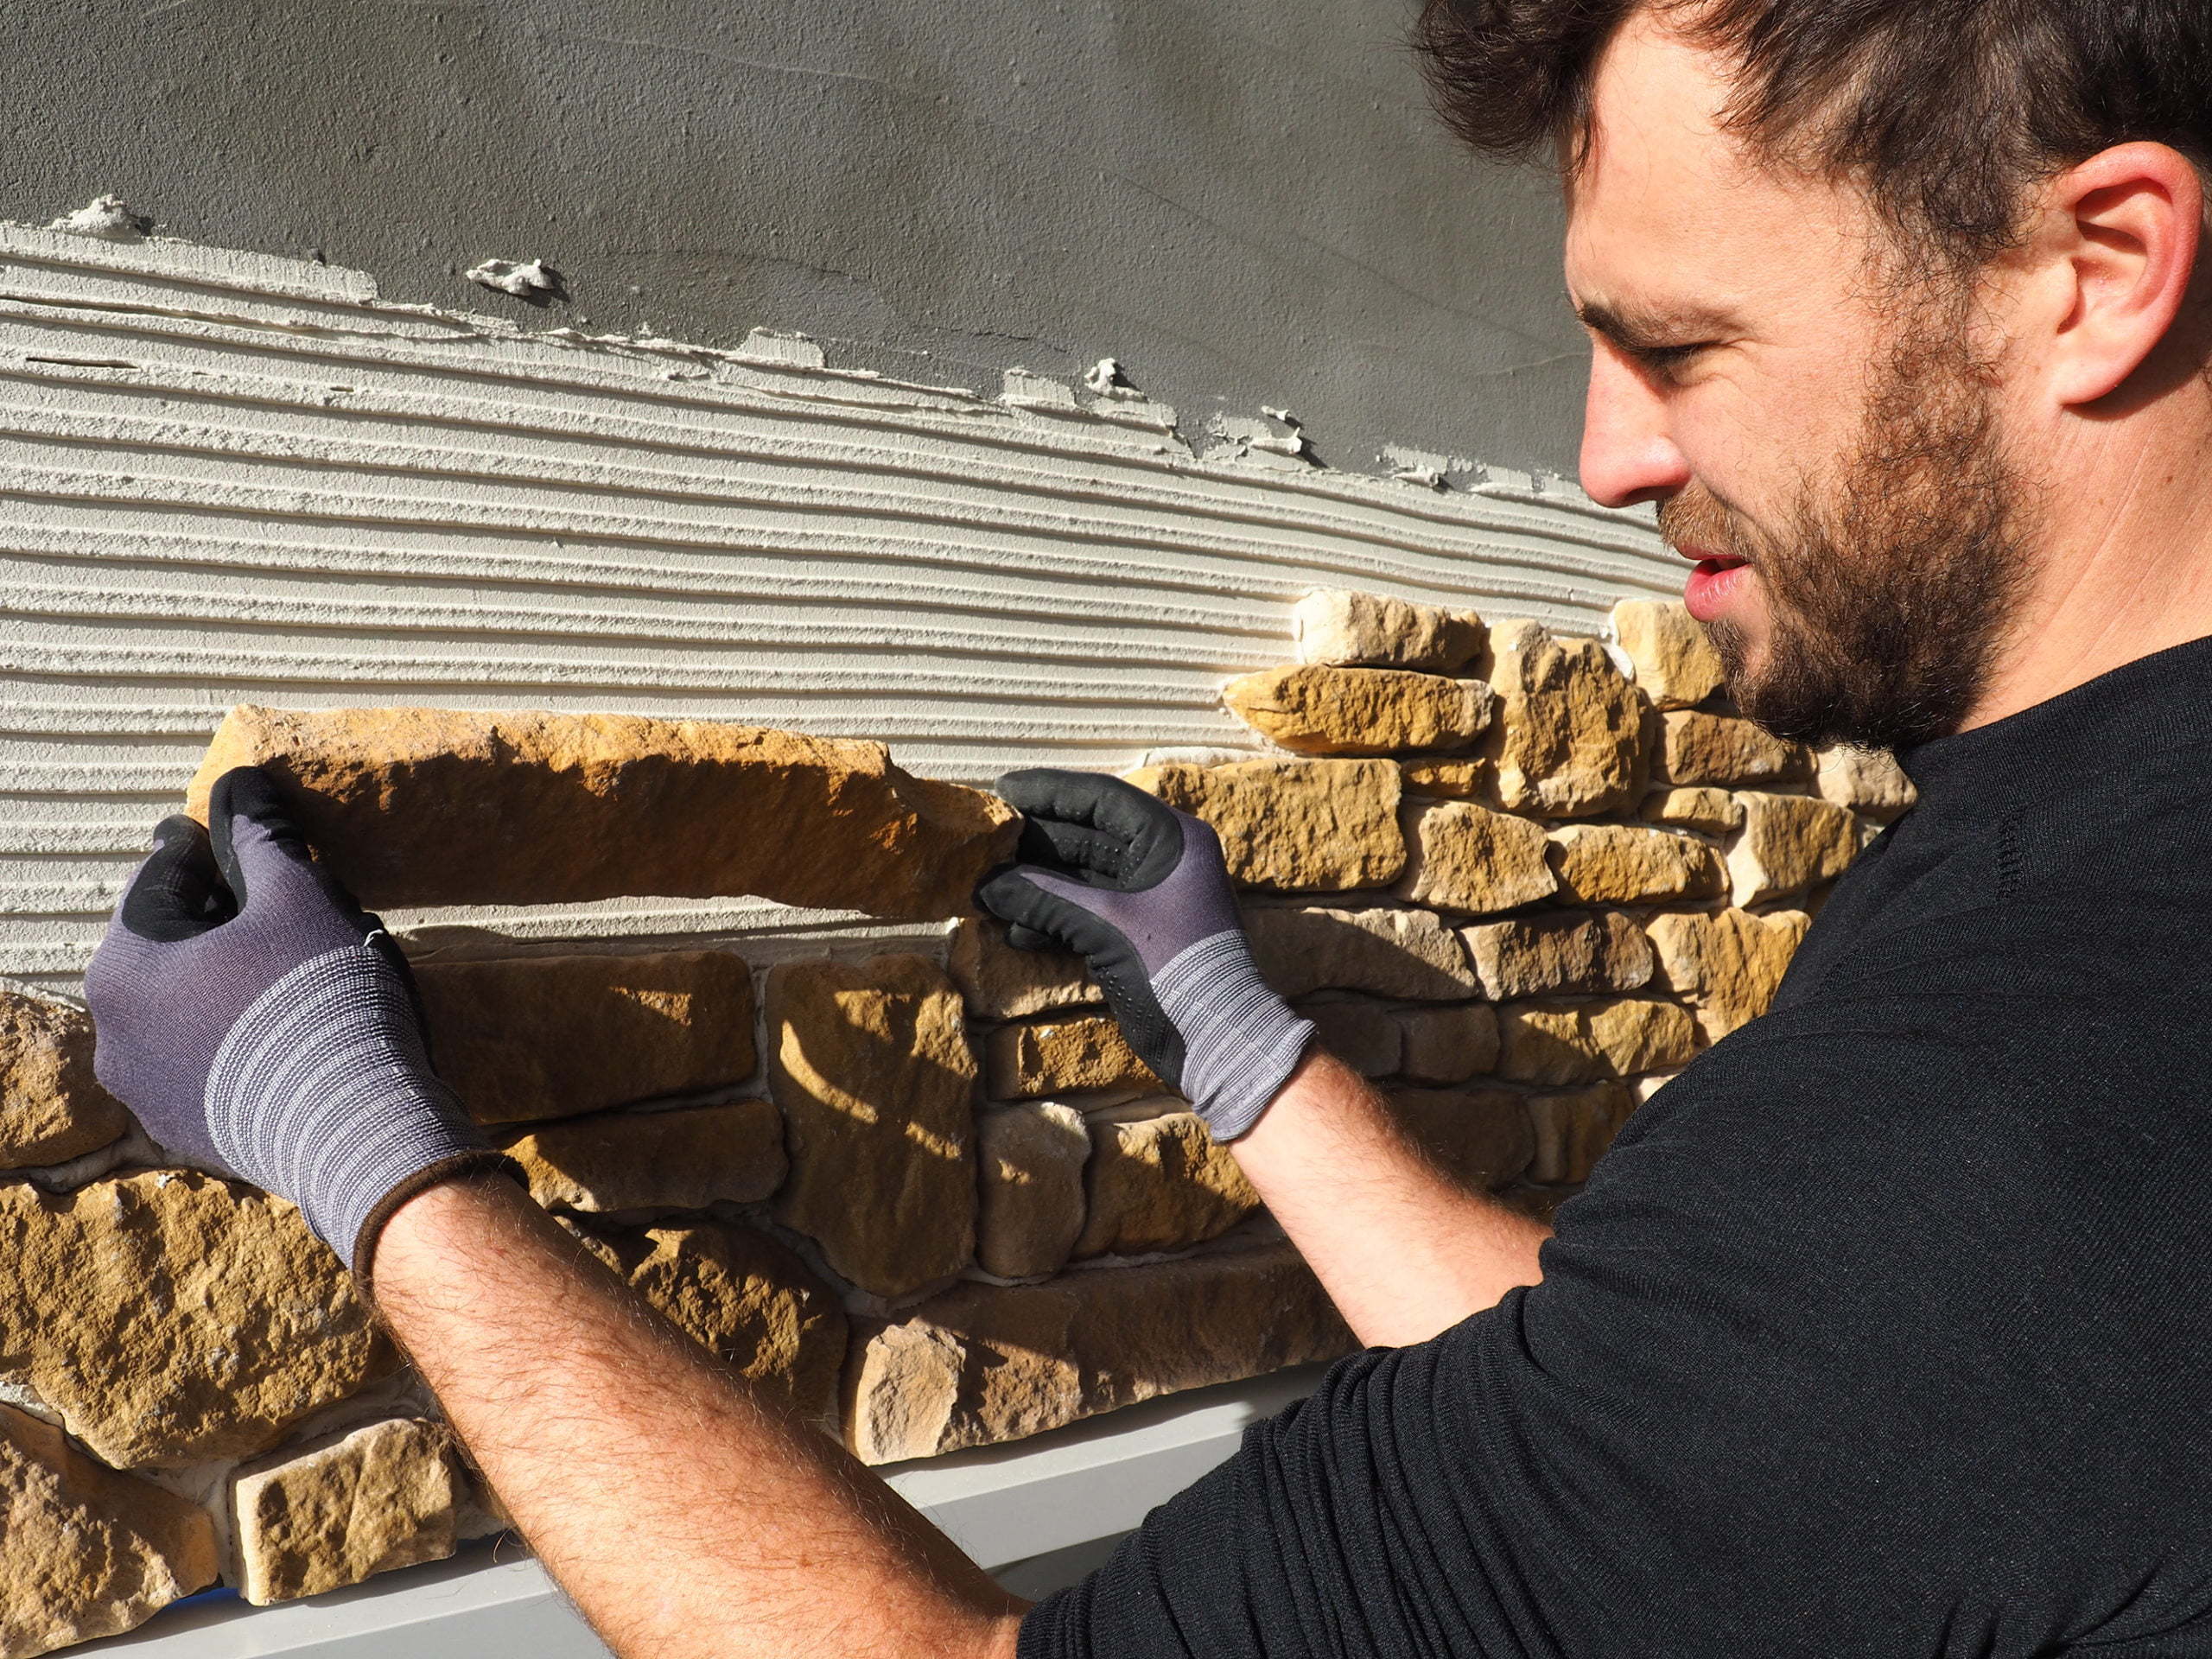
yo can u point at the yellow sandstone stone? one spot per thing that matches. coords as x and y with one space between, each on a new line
1723 751
999 981
1447 781
1293 826
1313 710
1574 1129
344 1508
1031 1159
1447 1045
1466 858
1710 811
1363 1035
1344 628
1623 864
1062 1056
51 1109
1572 951
685 1158
1675 663
1567 740
1788 843
1158 1181
1554 1043
1408 954
1730 965
1479 1136
1869 784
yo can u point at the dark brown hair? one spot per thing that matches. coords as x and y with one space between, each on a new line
1947 112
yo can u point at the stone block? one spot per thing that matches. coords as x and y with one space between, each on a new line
89 1552
1447 1045
1641 1089
1675 664
1626 864
1365 1036
172 1318
549 1037
1573 1128
432 806
1030 1210
1478 1136
1062 1056
1572 951
1568 741
1722 751
1158 1181
1311 709
51 1108
1447 781
344 1508
1552 1043
1407 954
1709 811
1789 843
685 1158
1344 629
870 1063
998 981
1869 782
1466 858
983 1364
1292 826
1729 964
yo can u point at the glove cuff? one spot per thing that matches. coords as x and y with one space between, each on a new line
1241 1041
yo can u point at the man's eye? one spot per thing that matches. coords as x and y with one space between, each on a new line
1667 362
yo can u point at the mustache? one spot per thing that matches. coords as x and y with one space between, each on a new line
1698 519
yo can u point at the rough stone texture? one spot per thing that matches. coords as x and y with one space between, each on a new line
1062 1056
982 1364
1675 664
1447 780
87 1552
746 1299
342 1509
1029 1188
997 982
174 1318
870 1063
1789 843
1157 1180
682 1159
1712 811
1362 1035
1623 864
1729 965
1315 710
1344 629
1869 784
1574 1129
1408 954
1643 1088
1576 950
1554 1043
1293 826
1480 1136
1466 858
546 1037
1447 1045
1722 751
428 806
51 1109
1568 741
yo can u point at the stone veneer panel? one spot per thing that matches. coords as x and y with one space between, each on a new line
51 1108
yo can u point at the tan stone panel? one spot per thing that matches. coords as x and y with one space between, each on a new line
1448 1045
1363 1036
1710 811
51 1108
1062 1056
88 1552
1789 843
1568 741
1479 1136
548 1037
998 981
870 1063
1553 1042
985 1363
1342 628
1730 965
1574 1127
432 806
1031 1159
1315 710
1675 663
343 1509
1408 954
172 1318
1157 1181
1466 858
686 1159
1292 826
1723 751
1569 950
1869 784
1447 780
1625 864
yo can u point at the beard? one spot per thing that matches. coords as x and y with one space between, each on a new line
1891 586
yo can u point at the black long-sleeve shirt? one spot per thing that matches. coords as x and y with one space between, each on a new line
1886 1329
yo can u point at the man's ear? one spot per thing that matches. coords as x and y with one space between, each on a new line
2120 237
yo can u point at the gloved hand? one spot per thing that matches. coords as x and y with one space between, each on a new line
1142 892
262 1025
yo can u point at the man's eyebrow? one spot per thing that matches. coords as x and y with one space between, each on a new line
1656 330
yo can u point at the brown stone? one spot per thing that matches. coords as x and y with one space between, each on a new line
431 806
1711 811
1625 864
1447 781
1574 1129
1365 1036
1447 1045
1675 663
344 1508
1568 741
1030 1210
1479 1136
1729 964
88 1552
1574 951
1062 1056
1407 954
1725 752
1789 843
172 1318
1552 1043
546 1037
686 1159
985 1363
1293 826
1345 629
1869 782
871 1065
1315 710
1158 1181
51 1109
998 981
1466 858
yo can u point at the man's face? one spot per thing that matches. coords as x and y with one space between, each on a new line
1821 443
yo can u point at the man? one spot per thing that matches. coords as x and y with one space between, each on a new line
1884 1330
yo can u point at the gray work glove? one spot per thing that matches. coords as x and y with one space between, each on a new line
1141 891
262 1025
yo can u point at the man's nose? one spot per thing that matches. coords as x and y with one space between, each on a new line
1628 454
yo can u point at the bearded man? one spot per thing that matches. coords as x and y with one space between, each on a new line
1883 1330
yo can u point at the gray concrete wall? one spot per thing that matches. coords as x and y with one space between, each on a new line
1245 200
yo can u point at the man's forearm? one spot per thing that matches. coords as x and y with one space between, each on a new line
684 1515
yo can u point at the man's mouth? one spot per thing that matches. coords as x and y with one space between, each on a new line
1713 583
